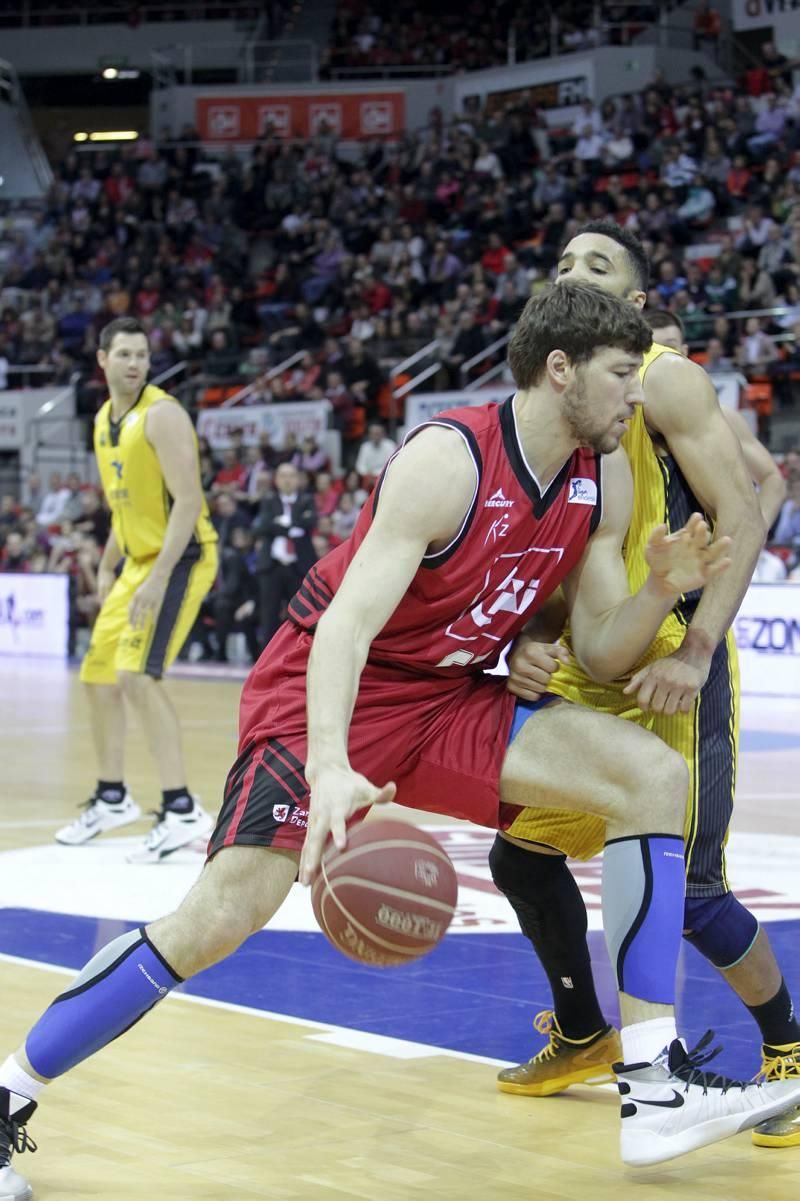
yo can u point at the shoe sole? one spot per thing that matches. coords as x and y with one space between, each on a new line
645 1149
776 1140
79 842
26 1196
551 1088
140 860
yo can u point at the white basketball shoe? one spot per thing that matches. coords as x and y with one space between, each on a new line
670 1106
15 1111
98 817
172 832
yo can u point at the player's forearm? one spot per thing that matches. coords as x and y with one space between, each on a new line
337 659
610 645
111 554
723 596
180 527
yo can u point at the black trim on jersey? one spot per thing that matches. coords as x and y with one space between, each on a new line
169 612
318 588
115 427
432 561
598 508
302 609
541 501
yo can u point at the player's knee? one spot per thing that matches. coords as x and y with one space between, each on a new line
134 684
518 872
720 927
660 787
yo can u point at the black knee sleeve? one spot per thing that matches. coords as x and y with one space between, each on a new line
542 892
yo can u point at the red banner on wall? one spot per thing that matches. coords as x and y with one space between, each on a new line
352 115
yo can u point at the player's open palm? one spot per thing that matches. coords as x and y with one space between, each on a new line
688 558
337 793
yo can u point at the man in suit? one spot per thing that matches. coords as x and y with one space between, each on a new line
285 521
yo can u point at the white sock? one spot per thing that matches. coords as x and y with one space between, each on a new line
16 1080
643 1041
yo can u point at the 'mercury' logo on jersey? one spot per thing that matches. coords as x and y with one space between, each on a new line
582 492
498 501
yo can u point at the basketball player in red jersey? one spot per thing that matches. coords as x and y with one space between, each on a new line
479 516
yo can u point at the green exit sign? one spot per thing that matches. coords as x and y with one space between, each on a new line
112 61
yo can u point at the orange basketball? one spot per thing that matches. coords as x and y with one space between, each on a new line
388 897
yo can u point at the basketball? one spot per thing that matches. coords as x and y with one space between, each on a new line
388 897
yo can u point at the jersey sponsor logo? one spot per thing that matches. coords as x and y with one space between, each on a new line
498 529
510 587
582 492
498 501
117 465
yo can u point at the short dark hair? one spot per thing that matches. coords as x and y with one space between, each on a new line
577 318
629 243
120 325
662 319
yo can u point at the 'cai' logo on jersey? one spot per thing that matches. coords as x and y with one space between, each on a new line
498 501
582 492
115 463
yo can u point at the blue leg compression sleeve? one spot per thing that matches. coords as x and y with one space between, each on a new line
643 895
720 927
113 991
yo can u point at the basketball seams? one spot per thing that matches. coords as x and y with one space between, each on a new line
389 890
392 844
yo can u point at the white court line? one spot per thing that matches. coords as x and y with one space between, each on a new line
342 1036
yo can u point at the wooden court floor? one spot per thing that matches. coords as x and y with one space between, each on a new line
208 1102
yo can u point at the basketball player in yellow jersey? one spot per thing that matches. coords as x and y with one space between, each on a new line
148 461
684 458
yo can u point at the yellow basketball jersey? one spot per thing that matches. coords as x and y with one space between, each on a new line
133 482
661 494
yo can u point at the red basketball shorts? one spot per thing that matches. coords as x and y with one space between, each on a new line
442 741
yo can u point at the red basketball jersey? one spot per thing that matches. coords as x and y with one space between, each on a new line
516 544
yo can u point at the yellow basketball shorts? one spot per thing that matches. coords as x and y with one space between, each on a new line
116 646
707 737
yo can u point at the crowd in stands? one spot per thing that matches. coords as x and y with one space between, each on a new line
235 263
240 261
373 35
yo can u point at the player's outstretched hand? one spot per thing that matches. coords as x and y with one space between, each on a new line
336 795
530 666
687 559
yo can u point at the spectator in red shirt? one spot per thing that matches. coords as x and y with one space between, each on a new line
495 256
231 474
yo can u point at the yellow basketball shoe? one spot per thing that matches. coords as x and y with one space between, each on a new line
564 1061
780 1063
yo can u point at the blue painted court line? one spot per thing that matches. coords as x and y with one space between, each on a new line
475 993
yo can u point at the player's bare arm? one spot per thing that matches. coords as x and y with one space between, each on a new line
611 629
762 468
682 407
424 498
169 431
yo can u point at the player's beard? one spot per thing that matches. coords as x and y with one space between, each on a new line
580 419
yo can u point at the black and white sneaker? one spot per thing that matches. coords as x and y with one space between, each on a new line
15 1111
670 1106
98 817
173 831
